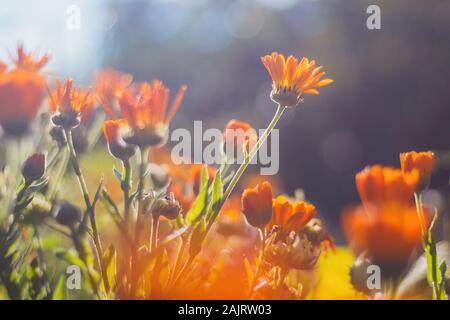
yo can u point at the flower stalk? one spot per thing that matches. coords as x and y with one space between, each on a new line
90 209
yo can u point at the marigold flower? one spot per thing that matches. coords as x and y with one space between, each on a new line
146 113
26 62
257 204
21 92
389 233
291 216
378 184
237 134
292 79
116 145
109 85
420 161
72 105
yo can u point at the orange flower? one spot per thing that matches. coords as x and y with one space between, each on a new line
291 216
116 145
26 62
146 113
388 233
71 105
420 161
21 92
291 78
257 204
377 185
109 85
238 133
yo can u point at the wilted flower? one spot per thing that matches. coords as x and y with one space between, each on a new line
257 204
318 235
291 216
292 79
237 134
293 251
377 185
71 105
116 145
145 113
33 168
420 161
388 233
67 214
21 92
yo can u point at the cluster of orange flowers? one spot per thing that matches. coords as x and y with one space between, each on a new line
387 227
139 118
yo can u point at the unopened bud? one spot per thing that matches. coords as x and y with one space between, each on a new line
167 207
67 214
34 167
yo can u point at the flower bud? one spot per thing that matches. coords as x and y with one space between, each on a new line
67 214
33 168
257 204
359 275
420 161
116 144
167 207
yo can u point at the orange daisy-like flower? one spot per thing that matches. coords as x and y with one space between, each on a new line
292 78
109 85
146 115
116 145
257 204
26 62
72 105
377 185
21 92
291 216
420 161
238 133
388 233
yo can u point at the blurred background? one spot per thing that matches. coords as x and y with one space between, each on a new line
391 90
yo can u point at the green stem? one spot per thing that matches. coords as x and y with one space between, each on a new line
154 233
90 209
137 228
244 165
260 258
126 186
429 248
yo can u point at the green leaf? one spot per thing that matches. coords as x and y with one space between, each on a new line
71 257
216 198
200 202
250 273
60 292
110 260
